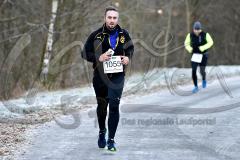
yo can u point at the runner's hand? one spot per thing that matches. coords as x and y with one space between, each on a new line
105 57
125 60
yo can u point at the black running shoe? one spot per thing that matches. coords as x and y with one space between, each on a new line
101 139
111 145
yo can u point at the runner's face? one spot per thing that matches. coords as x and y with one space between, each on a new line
197 31
111 19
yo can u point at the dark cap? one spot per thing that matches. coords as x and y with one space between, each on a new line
197 25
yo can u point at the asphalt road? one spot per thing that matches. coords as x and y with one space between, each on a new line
163 125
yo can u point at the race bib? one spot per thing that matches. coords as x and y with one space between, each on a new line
114 65
197 57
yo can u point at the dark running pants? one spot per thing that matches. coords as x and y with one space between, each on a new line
202 65
108 92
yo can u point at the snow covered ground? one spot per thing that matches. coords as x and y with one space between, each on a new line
136 83
153 125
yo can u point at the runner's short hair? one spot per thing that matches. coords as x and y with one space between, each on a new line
110 8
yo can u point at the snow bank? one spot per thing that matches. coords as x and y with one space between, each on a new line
134 84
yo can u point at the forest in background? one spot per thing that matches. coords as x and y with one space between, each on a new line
158 29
